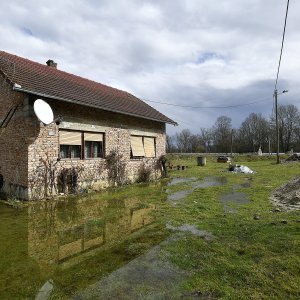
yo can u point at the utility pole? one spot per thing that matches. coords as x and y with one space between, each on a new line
277 127
231 142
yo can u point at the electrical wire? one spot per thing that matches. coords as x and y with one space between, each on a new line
203 107
282 42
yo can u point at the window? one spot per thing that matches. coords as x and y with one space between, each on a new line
70 151
72 143
93 145
142 146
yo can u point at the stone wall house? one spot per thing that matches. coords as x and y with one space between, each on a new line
95 120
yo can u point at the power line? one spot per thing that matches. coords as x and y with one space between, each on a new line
282 42
203 107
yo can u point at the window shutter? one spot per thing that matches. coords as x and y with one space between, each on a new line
149 147
137 146
93 137
69 137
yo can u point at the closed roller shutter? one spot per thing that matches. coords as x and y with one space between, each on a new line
69 137
137 146
149 146
93 137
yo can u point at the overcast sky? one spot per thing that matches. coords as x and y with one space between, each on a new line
185 52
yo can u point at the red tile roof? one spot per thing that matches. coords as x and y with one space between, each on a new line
42 80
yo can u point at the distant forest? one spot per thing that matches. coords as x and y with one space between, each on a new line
254 132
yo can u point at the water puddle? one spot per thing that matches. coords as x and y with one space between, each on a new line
69 243
177 196
235 198
179 180
210 182
149 276
207 182
243 185
193 230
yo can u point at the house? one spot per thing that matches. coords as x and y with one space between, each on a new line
104 135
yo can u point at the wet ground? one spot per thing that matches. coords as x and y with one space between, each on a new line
192 229
229 201
179 180
235 198
100 246
68 244
149 276
176 197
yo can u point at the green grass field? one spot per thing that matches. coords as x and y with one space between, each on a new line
250 258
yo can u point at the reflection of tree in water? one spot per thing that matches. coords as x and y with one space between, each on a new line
44 224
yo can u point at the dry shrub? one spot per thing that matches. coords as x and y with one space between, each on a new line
116 168
144 174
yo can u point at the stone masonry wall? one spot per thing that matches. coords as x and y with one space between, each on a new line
13 142
43 151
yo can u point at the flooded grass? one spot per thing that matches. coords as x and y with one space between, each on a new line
193 230
149 276
235 198
250 258
75 241
175 197
178 180
222 239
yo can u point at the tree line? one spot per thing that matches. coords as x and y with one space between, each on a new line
254 132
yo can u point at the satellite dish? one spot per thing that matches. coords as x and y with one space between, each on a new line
43 111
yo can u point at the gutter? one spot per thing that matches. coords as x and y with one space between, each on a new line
18 88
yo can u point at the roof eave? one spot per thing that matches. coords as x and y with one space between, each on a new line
18 89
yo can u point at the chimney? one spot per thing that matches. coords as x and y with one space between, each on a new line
51 63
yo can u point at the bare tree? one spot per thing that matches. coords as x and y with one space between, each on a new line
170 147
183 140
196 144
253 132
222 134
289 120
256 131
206 138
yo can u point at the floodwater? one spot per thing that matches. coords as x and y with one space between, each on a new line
60 249
176 197
178 180
209 182
149 276
101 246
193 230
235 198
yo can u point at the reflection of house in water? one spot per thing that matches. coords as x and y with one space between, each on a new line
61 230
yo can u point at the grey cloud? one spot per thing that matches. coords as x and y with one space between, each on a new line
191 52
